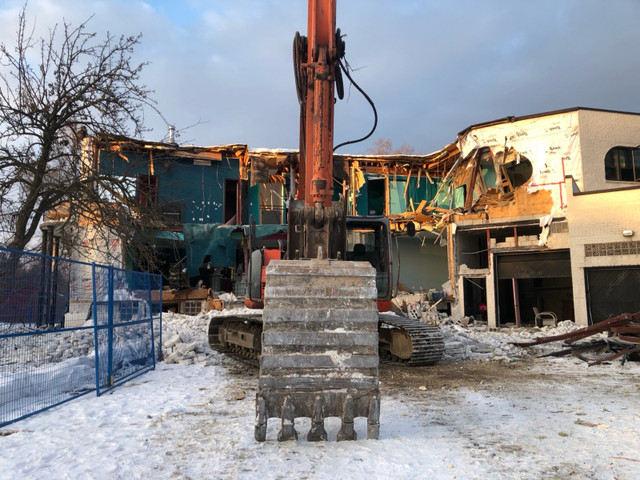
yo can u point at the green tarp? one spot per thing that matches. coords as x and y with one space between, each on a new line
218 241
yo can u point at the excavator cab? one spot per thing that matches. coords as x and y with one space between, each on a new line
369 240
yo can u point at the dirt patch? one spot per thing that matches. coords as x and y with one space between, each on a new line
468 374
455 375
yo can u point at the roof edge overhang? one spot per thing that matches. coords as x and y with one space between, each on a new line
512 119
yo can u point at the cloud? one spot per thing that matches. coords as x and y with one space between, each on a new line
432 68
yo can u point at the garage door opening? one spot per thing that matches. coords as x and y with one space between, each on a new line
533 281
612 291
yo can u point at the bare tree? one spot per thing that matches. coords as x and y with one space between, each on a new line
54 91
383 146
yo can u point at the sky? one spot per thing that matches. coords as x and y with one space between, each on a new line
222 70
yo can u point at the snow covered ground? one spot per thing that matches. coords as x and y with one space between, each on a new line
489 411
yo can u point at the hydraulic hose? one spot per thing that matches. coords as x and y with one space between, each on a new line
373 107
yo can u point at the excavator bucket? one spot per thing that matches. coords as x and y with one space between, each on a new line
319 348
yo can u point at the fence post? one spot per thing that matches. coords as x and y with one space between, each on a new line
159 285
109 379
153 343
44 290
94 306
53 294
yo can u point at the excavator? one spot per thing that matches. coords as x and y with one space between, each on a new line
323 327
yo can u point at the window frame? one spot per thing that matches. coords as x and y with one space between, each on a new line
614 170
271 205
147 190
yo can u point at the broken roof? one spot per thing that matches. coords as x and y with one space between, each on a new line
121 143
432 162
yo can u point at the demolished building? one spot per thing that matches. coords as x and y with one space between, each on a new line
520 221
544 218
217 197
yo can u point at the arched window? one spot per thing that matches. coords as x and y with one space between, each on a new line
622 164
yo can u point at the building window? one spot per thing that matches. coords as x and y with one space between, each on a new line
271 203
173 212
148 190
622 164
230 208
191 307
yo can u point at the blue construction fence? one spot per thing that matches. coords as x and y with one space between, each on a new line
69 328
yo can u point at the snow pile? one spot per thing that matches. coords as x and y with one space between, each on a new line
20 390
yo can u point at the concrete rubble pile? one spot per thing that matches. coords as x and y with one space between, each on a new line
184 339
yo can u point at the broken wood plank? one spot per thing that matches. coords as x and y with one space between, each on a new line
583 332
635 329
613 356
437 209
426 172
472 183
628 339
406 185
576 348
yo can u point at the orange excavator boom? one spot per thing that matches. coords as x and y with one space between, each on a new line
316 221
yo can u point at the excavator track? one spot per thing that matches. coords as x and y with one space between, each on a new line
403 341
409 342
238 336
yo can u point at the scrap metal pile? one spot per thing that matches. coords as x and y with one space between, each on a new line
622 341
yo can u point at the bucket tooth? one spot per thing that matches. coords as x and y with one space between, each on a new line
317 432
373 421
261 419
287 431
347 432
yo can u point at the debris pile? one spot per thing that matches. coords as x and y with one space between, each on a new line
478 342
422 307
621 340
35 351
185 339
